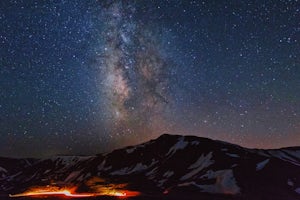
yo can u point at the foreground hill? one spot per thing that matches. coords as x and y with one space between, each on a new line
169 167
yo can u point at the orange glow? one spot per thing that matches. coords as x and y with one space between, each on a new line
131 193
67 193
102 189
125 193
51 191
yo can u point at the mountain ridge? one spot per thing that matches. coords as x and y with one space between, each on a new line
162 135
172 165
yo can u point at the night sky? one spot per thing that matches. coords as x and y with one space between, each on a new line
88 76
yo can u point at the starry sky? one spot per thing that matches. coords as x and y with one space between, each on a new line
85 77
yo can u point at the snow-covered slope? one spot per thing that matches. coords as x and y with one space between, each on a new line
173 165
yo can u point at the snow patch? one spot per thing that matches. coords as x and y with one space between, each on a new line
152 173
3 170
285 155
130 150
224 149
9 178
72 176
201 163
27 162
107 168
122 171
139 167
168 174
181 144
101 166
126 170
161 182
233 155
68 160
31 177
3 173
295 154
290 182
262 164
260 152
187 184
225 182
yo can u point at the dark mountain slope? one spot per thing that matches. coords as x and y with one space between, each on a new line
170 166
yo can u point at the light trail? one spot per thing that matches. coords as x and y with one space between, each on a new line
66 193
70 192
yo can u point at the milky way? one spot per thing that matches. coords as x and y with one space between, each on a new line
133 72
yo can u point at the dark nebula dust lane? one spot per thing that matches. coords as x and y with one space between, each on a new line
84 77
133 72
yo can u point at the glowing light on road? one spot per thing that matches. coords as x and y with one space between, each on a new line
64 192
106 190
120 194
